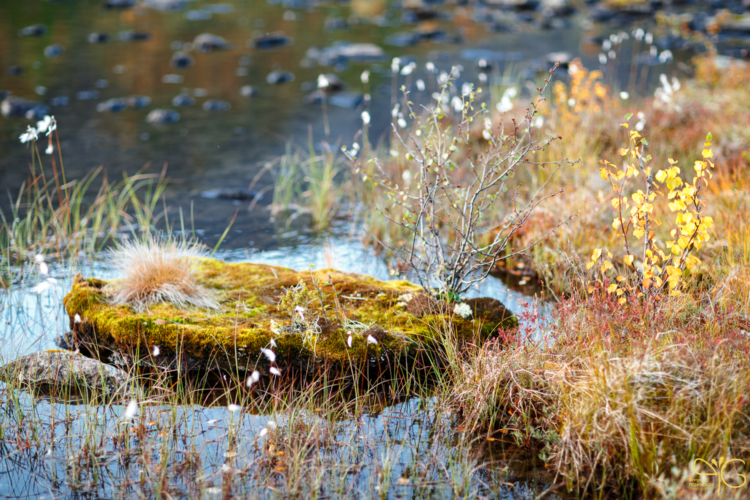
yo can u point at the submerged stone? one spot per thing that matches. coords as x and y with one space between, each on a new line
98 37
133 36
33 30
271 41
162 117
206 42
357 321
15 107
277 77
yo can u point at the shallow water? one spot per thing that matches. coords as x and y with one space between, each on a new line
220 149
412 440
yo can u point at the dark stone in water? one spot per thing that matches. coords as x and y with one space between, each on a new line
60 101
241 194
249 91
216 105
271 41
336 24
87 95
53 50
403 39
4 94
206 42
119 4
162 117
98 38
133 36
15 107
198 15
345 52
413 16
182 59
112 105
183 100
564 58
67 374
278 77
13 70
349 100
335 84
166 5
138 101
33 30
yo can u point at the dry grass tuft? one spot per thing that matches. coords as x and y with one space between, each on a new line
159 271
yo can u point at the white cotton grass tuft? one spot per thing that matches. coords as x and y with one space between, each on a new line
158 271
268 353
253 378
131 410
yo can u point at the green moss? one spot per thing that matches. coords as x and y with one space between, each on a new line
250 295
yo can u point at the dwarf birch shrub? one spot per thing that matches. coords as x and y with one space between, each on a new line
661 263
446 201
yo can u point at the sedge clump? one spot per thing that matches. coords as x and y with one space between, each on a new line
158 271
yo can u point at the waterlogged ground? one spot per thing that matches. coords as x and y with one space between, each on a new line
399 446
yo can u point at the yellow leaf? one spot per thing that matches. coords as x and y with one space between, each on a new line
611 288
620 278
615 203
628 259
596 254
661 175
591 289
707 153
624 125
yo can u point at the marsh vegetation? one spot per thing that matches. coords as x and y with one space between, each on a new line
512 278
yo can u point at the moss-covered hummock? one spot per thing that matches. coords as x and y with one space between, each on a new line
261 304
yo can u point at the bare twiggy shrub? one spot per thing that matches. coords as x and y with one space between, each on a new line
447 201
158 271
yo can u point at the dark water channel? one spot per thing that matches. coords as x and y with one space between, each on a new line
234 120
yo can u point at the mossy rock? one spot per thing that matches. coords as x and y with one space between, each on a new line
252 314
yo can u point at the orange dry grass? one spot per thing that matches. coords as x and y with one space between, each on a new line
158 271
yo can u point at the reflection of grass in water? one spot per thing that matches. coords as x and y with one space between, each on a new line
298 442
